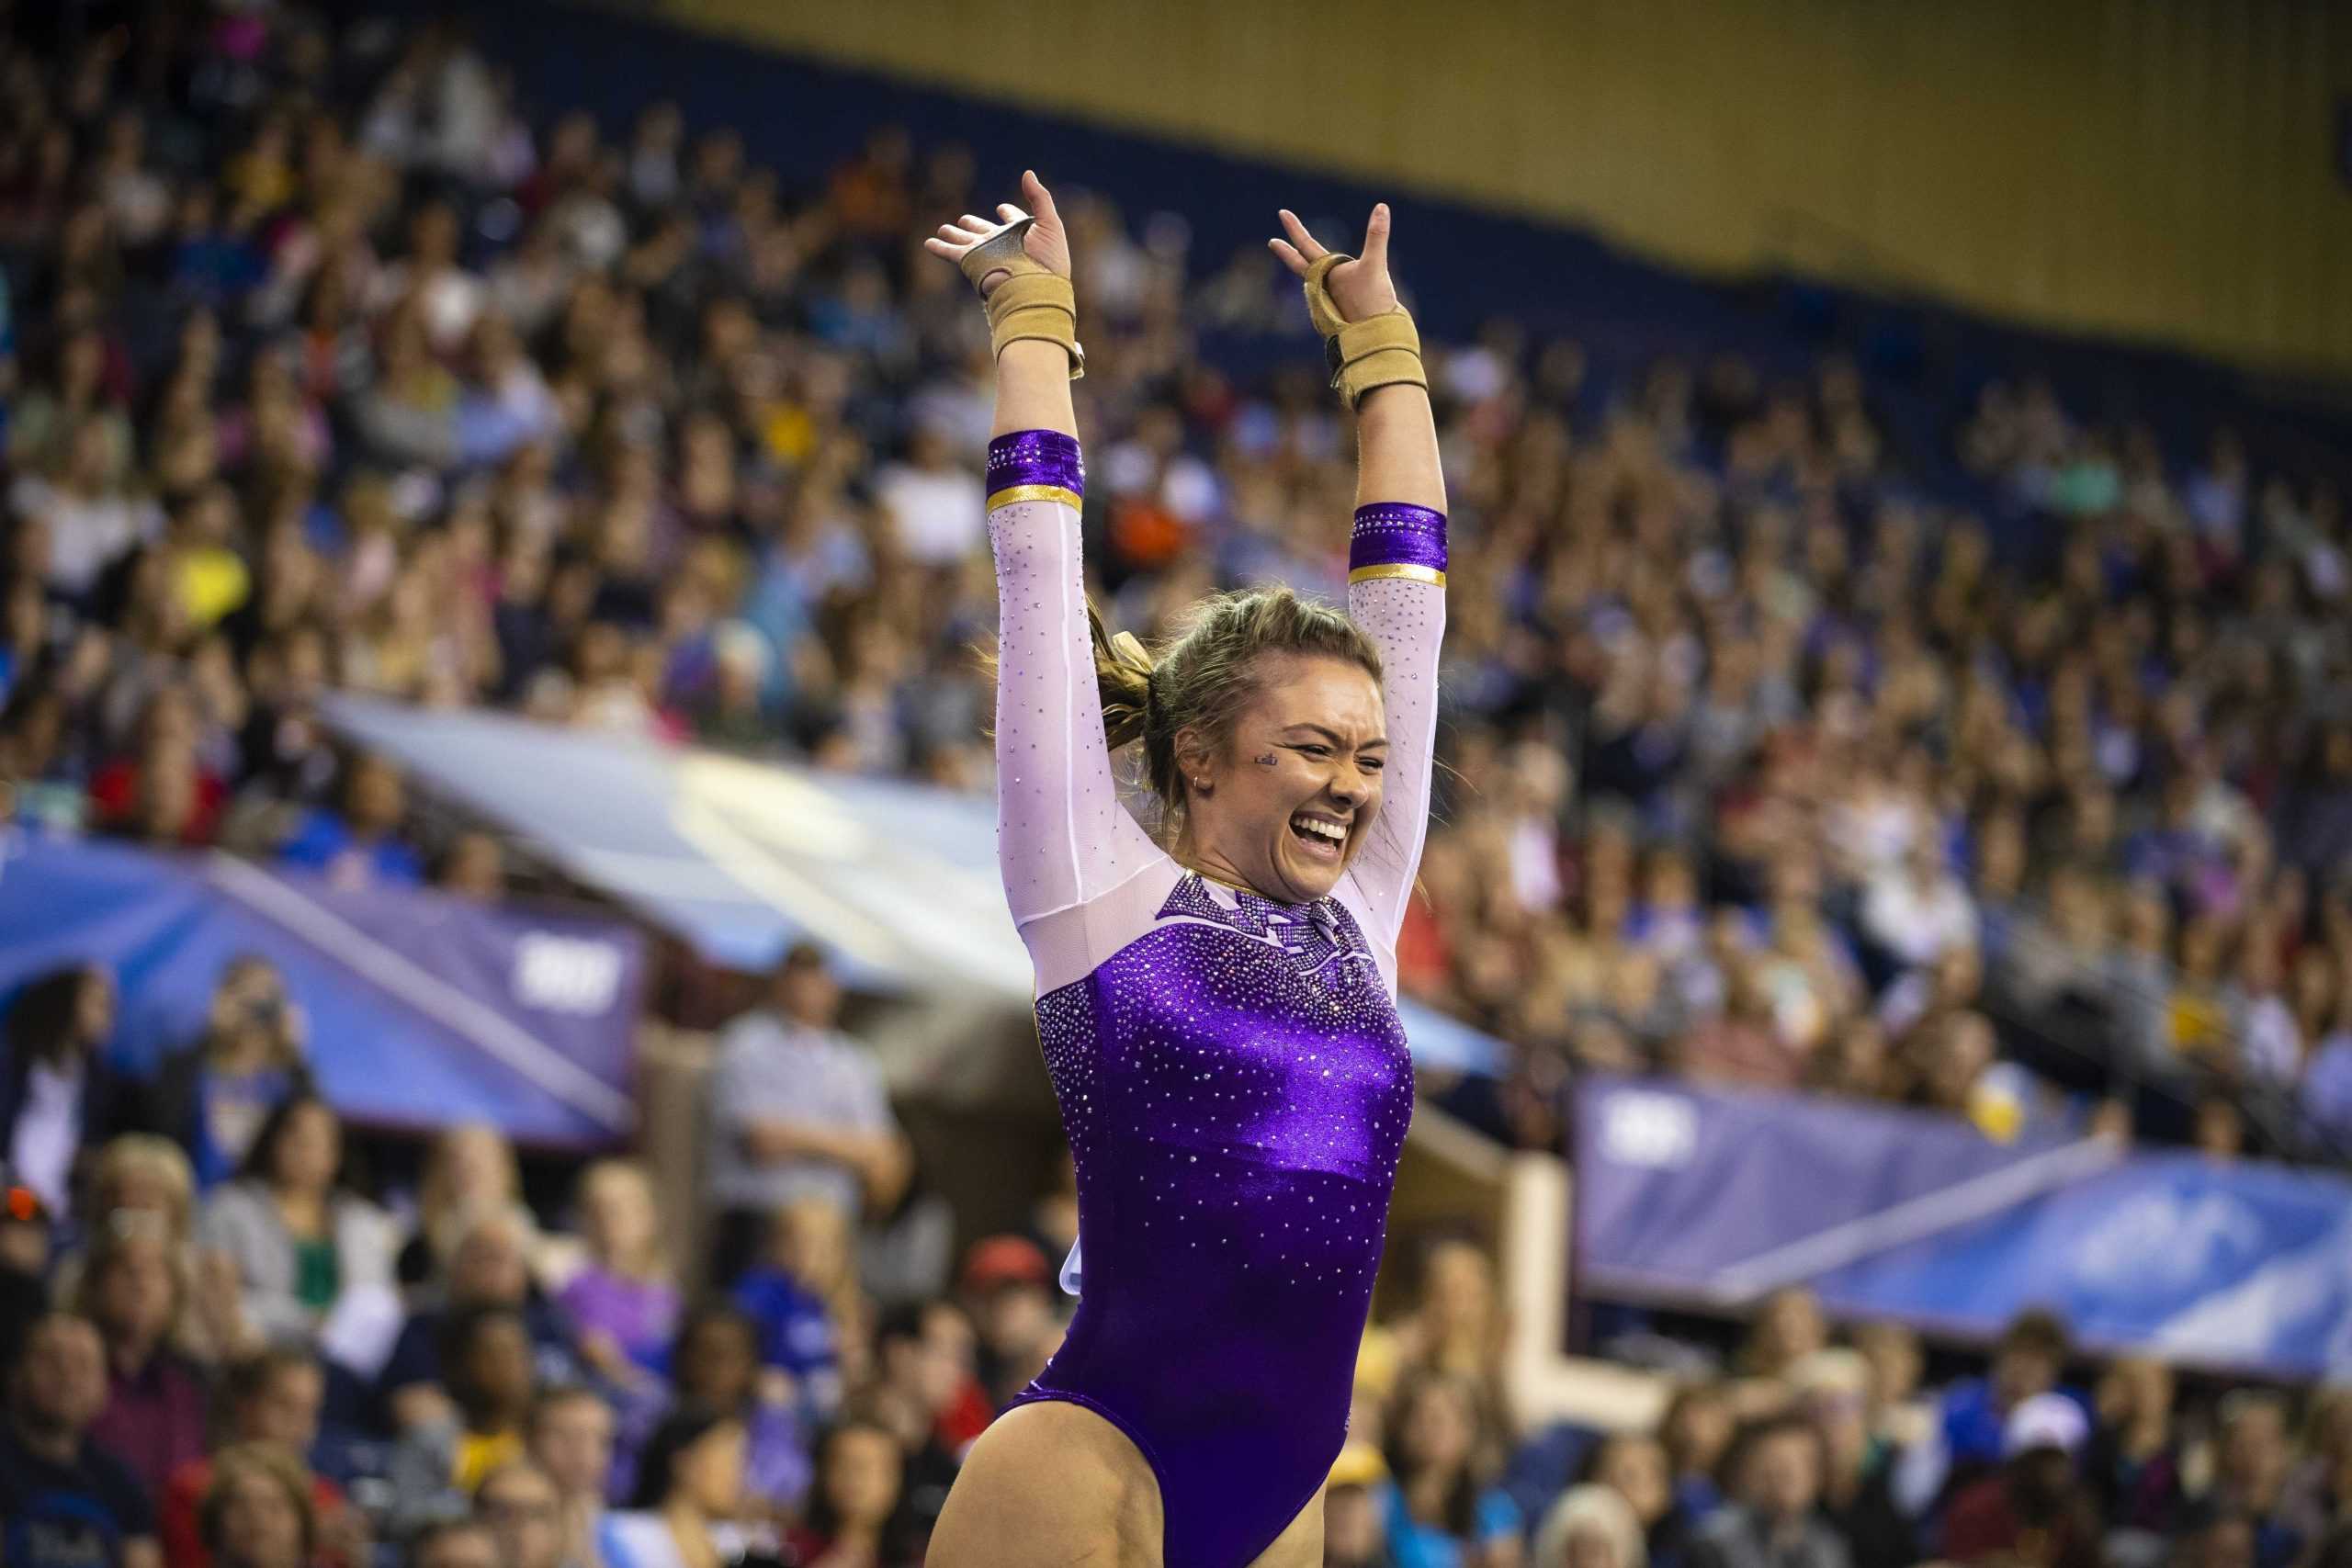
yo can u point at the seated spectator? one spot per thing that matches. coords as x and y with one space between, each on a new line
789 1294
1634 1465
1437 1508
517 1503
271 1399
2033 1494
490 1269
1007 1287
1696 1431
1788 1329
1775 1469
24 1226
358 844
689 1483
1972 1418
59 1096
65 1500
212 1096
304 1245
796 1110
257 1513
2252 1457
716 1366
622 1303
857 1510
1354 1536
919 1384
469 1171
1832 1388
453 1542
136 1287
487 1360
570 1437
2132 1465
1590 1527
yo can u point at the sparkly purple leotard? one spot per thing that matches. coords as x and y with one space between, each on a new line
1231 1071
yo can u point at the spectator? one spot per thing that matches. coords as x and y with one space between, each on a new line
717 1364
919 1385
1776 1468
798 1109
23 1267
791 1297
489 1269
1590 1527
487 1353
856 1511
2252 1457
1832 1388
1008 1286
270 1400
2133 1464
2034 1492
257 1511
1972 1418
1634 1465
212 1096
1788 1328
359 845
1436 1509
570 1438
306 1248
453 1543
58 1093
469 1171
622 1303
690 1480
1696 1430
518 1503
137 1289
65 1501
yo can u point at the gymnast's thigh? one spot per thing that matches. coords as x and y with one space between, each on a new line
1301 1543
1051 1485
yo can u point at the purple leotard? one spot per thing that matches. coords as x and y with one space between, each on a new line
1231 1071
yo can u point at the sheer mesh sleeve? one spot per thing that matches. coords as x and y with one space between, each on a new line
1397 594
1063 837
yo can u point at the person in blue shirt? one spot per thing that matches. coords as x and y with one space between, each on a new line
1436 1507
359 844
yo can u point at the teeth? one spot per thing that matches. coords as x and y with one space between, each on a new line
1330 831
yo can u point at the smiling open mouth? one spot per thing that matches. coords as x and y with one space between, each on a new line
1322 837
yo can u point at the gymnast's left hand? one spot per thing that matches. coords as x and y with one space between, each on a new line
1360 288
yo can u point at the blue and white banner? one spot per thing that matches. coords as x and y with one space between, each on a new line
1715 1198
897 880
421 1009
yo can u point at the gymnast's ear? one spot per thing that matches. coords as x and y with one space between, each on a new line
1195 759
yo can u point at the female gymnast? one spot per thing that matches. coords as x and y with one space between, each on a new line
1217 1006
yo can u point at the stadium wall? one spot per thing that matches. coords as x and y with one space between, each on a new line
2163 170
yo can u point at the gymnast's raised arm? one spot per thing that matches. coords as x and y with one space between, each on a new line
1397 553
1062 835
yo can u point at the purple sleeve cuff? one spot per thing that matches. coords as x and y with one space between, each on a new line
1035 465
1393 539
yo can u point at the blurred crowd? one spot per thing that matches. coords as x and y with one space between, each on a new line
332 365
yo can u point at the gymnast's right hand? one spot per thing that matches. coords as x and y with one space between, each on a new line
1047 243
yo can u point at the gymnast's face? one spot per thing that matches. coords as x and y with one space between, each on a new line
1296 789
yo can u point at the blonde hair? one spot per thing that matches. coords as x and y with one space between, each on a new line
654 1261
184 1333
1594 1510
443 1214
1204 677
136 1154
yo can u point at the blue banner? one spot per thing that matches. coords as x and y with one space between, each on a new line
421 1009
1714 1199
897 880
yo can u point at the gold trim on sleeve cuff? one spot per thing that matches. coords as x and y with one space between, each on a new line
1014 495
1405 569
